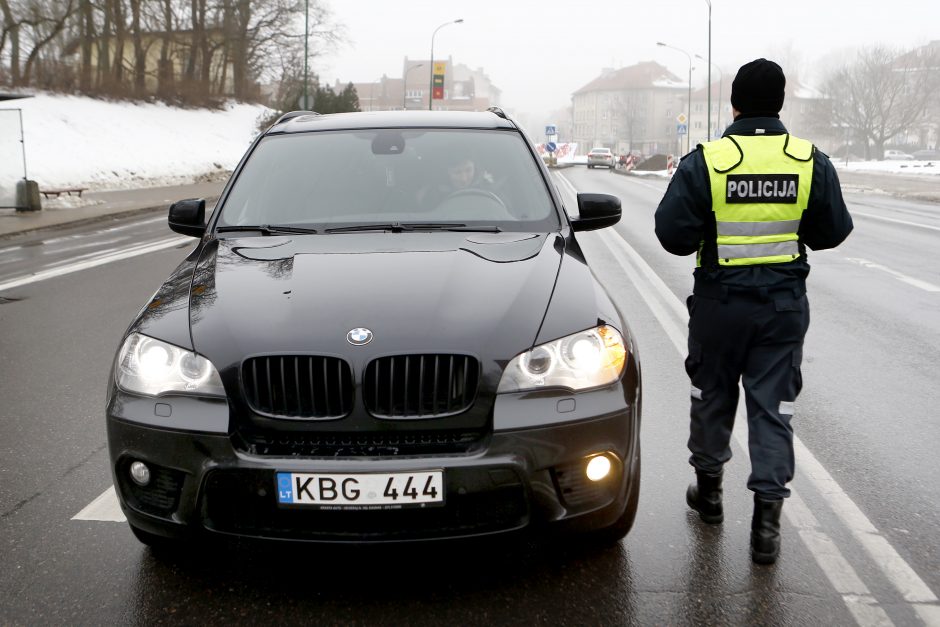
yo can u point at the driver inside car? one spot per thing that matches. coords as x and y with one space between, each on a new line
461 173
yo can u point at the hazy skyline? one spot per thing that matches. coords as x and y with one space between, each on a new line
538 53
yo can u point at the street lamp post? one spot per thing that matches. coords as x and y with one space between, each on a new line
404 85
709 3
688 134
431 81
721 79
306 37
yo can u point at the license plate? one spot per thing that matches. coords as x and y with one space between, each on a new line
361 491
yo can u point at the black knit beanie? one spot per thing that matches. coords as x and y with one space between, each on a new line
759 88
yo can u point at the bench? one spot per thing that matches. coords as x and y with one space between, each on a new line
63 190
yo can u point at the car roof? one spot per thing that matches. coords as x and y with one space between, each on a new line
303 121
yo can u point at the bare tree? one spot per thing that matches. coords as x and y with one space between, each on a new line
203 49
630 116
86 33
882 95
11 29
30 26
140 54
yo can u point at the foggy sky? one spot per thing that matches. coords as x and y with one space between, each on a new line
539 52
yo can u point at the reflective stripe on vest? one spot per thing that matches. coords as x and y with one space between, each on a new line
760 187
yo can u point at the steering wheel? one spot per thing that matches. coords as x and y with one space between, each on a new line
475 191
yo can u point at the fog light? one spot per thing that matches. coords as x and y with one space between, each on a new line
598 468
140 473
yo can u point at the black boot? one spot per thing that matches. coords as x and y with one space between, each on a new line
765 530
704 496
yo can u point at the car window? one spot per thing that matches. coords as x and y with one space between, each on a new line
339 178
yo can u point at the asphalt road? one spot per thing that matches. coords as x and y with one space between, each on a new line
860 537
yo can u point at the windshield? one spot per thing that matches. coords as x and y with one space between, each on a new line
334 179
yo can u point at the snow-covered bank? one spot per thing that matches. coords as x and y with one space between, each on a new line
890 167
79 141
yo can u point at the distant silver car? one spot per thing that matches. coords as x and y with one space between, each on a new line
898 155
602 157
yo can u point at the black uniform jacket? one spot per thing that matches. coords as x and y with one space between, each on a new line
685 218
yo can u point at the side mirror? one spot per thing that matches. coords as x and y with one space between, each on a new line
188 217
596 211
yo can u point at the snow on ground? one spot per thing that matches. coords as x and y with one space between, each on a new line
891 167
98 144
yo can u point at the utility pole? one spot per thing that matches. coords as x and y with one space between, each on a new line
306 37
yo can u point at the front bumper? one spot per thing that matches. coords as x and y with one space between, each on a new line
524 478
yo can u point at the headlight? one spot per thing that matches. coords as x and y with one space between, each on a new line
584 360
149 366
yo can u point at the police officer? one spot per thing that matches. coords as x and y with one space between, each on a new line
749 204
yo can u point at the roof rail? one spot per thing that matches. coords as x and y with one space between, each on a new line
290 115
498 112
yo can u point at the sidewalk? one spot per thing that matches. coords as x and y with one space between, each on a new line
95 206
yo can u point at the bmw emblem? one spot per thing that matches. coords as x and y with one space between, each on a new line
359 336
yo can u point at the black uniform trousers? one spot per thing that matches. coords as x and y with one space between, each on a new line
755 337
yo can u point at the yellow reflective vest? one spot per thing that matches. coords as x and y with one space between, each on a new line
760 188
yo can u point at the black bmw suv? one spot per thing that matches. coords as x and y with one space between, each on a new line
386 331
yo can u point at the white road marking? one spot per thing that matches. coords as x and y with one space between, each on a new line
132 225
56 251
61 238
104 508
855 594
105 258
896 570
924 285
906 222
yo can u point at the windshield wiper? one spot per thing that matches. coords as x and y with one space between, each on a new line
267 229
485 228
399 227
394 227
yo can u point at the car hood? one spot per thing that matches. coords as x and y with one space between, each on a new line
483 294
